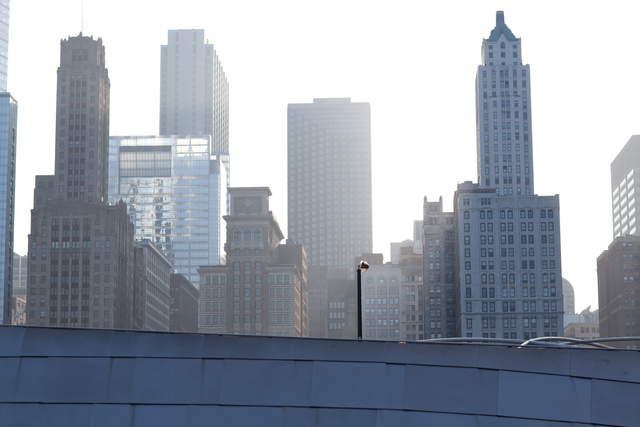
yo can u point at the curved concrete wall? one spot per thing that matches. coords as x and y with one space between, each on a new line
92 378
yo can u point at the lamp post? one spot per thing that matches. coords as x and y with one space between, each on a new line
362 267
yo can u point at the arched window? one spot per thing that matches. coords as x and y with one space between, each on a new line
247 237
237 236
257 235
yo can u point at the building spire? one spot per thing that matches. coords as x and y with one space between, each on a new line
501 29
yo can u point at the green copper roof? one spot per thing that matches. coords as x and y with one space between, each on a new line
501 28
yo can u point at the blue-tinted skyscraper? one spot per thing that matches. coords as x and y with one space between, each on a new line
4 43
175 191
8 129
8 123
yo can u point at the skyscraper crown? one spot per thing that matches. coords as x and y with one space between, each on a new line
501 28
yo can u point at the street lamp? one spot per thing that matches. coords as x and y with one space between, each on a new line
362 267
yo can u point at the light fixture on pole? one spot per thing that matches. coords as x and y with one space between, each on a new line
362 267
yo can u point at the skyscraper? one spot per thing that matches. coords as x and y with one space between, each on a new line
194 92
509 281
4 43
329 180
176 194
503 114
8 135
80 248
625 189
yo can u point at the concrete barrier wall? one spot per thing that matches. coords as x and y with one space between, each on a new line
67 377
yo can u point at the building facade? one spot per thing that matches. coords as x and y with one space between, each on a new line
503 115
439 271
568 297
4 43
184 305
262 289
329 180
80 257
19 288
625 189
155 284
332 303
8 141
508 252
176 194
583 326
619 289
393 299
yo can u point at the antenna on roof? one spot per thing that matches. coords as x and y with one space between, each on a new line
81 16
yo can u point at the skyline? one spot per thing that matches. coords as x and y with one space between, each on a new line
399 61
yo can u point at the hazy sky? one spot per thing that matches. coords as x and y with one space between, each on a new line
414 61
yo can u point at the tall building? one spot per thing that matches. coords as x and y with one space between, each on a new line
329 180
625 189
8 135
619 289
176 194
503 115
262 290
80 248
194 92
509 280
8 129
4 43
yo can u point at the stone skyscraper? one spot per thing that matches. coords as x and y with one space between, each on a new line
329 180
80 248
509 280
503 114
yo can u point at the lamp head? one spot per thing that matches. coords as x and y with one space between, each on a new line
363 266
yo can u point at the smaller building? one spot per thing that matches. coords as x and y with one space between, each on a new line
184 305
262 290
619 289
19 288
583 326
154 282
332 303
393 298
568 297
19 311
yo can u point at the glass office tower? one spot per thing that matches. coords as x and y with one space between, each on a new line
175 191
8 126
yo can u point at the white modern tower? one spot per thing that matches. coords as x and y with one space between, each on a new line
194 92
503 114
625 189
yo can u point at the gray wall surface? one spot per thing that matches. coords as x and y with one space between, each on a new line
81 377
